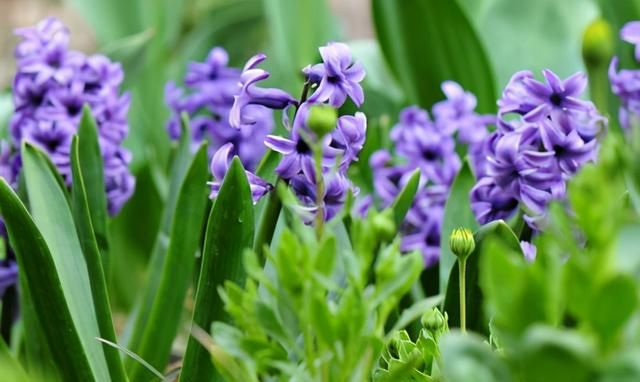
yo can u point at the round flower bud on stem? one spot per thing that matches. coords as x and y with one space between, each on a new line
433 320
462 243
384 225
597 43
322 119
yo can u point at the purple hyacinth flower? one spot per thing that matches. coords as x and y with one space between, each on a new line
426 237
8 168
216 74
626 85
250 94
529 250
457 114
336 188
338 76
570 150
51 86
219 167
349 136
489 202
388 179
535 100
411 119
630 33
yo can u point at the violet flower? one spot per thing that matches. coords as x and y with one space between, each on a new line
630 33
625 83
489 202
208 99
529 250
51 86
250 94
338 76
219 167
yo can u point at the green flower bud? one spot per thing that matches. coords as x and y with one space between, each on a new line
384 226
597 43
461 243
433 320
322 119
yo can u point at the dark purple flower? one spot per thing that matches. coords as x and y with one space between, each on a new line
349 136
208 98
336 187
250 94
8 274
51 86
570 150
338 76
489 202
534 100
219 167
425 235
8 168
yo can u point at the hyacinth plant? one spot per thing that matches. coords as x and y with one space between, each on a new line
331 211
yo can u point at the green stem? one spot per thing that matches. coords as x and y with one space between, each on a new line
267 224
319 191
462 265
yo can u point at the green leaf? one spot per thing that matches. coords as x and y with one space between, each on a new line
414 312
427 42
56 273
91 251
229 232
457 213
497 230
162 323
92 167
465 357
552 354
183 159
11 368
403 202
613 304
110 20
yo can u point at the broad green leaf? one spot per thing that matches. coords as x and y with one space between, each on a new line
92 167
110 20
404 200
297 28
497 230
229 232
466 357
52 301
53 218
457 213
427 42
613 304
84 225
162 323
10 367
547 33
138 319
548 353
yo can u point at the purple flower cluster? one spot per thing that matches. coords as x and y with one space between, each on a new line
211 87
331 82
429 145
626 83
51 86
545 134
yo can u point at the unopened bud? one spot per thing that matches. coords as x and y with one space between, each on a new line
597 43
384 226
433 320
462 243
322 119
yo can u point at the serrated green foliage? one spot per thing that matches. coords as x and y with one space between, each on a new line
317 313
163 321
426 42
229 233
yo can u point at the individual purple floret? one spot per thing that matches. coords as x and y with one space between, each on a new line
630 33
51 86
529 250
219 167
338 77
208 98
251 94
